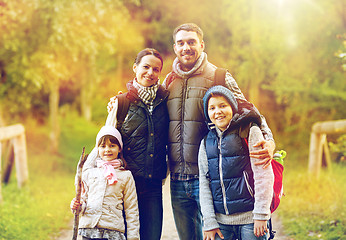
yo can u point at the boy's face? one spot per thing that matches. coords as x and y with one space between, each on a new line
108 151
220 112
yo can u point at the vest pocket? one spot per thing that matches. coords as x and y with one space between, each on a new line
246 178
196 92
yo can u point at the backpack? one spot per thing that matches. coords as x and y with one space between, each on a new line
123 108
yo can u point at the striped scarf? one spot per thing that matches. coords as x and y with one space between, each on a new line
146 94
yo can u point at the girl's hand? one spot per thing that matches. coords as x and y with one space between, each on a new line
210 235
260 227
75 204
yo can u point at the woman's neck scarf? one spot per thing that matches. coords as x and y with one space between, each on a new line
146 94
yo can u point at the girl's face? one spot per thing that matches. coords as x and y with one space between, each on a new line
108 151
148 70
220 112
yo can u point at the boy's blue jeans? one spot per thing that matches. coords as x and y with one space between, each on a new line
186 209
240 232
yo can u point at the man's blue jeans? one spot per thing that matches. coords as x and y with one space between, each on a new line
186 209
240 232
149 194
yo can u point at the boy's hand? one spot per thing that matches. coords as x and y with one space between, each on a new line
265 154
210 235
260 227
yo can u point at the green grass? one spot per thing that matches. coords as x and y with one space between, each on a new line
312 208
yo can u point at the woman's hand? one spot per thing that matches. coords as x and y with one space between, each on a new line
260 227
110 103
265 154
210 235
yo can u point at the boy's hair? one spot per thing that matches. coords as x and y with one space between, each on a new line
189 27
113 140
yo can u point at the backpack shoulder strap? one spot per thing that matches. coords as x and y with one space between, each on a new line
220 74
170 78
123 107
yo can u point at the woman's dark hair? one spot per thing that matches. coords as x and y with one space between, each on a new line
113 140
148 51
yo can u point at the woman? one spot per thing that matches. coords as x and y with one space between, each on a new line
145 135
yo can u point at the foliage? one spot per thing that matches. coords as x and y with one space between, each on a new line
339 146
45 42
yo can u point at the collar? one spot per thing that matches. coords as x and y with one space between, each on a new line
197 69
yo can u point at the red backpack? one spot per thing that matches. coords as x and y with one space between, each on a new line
278 168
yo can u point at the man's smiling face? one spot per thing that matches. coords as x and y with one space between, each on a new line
188 48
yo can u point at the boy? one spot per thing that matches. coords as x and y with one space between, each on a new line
235 194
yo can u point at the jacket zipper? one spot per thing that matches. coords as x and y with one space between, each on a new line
221 180
182 124
246 177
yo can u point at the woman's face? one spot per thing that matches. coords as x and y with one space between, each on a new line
148 70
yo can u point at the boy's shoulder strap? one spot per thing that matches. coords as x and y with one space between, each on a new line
220 75
123 107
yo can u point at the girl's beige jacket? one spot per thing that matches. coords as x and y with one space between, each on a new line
104 204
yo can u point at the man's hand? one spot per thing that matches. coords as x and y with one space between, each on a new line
210 235
265 154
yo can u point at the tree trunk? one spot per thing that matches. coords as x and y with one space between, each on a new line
86 104
54 116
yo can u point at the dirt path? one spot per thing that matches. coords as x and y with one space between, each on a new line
169 231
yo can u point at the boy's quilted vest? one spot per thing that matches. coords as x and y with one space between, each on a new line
231 177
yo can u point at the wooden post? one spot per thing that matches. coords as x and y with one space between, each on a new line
9 164
315 153
318 143
20 159
17 134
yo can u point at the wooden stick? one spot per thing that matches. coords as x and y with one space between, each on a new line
78 193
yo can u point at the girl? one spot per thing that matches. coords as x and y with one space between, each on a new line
108 191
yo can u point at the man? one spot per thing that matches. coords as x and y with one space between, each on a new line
191 77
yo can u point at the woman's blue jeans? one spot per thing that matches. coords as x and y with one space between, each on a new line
186 209
149 194
240 232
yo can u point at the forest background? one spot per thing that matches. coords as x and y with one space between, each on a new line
61 61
